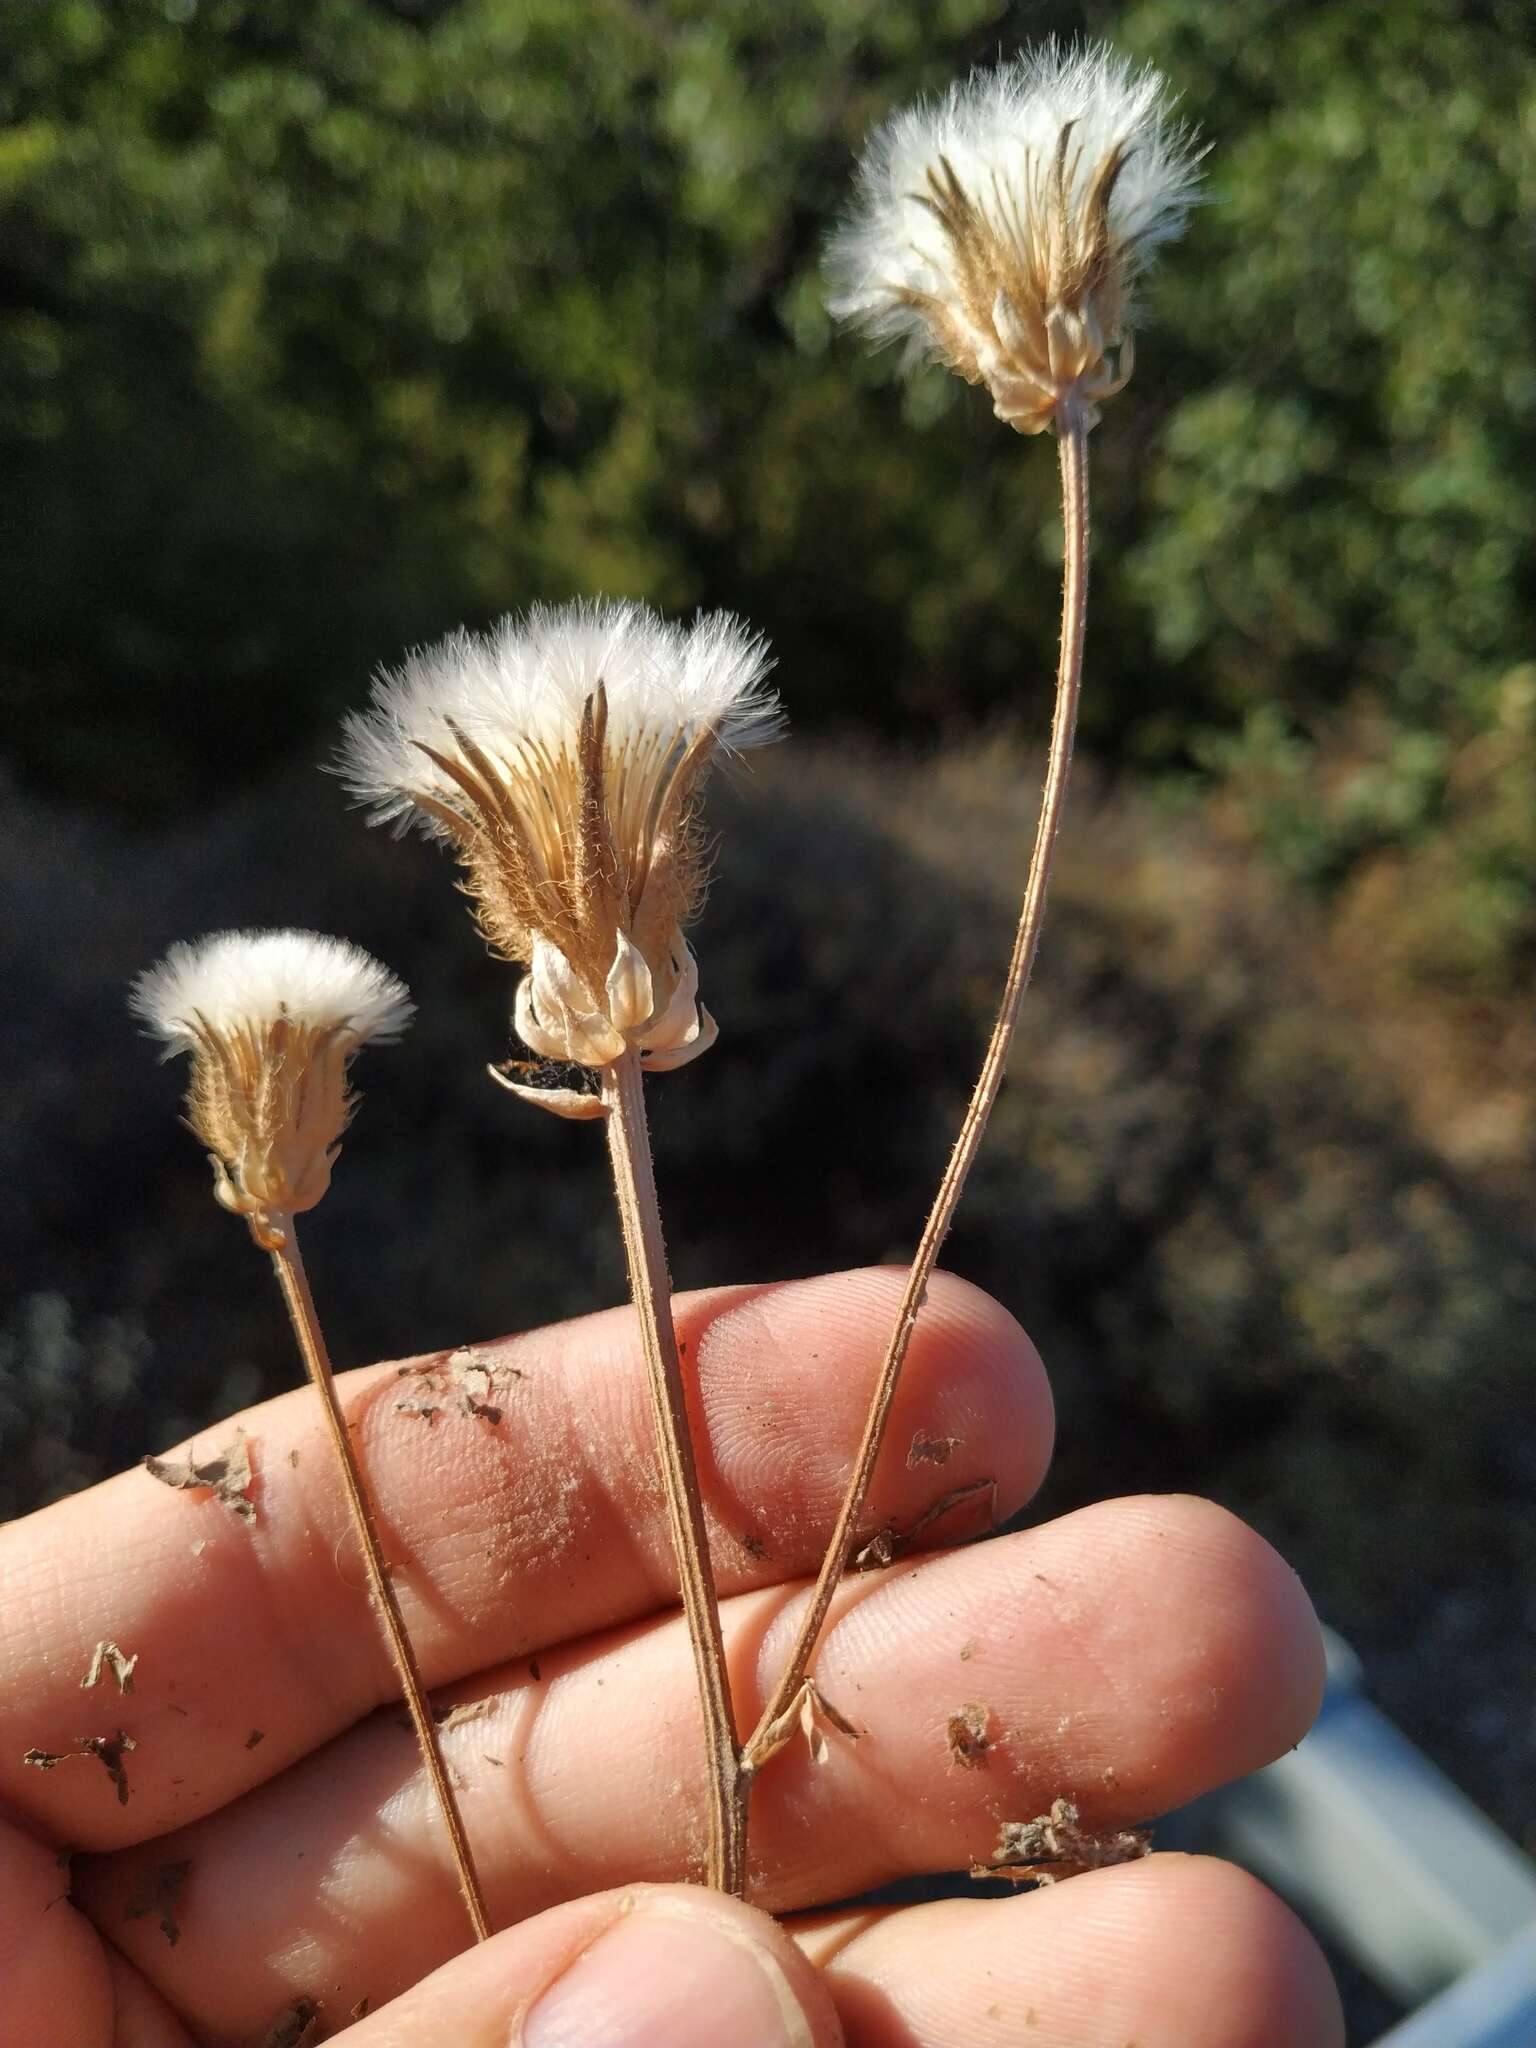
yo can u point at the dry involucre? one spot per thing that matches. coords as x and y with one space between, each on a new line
562 756
1000 229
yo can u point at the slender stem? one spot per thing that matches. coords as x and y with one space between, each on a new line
629 1147
1072 437
289 1264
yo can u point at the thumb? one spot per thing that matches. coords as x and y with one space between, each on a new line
651 1966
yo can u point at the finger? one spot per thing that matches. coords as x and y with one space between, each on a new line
54 1988
647 1967
255 1641
1176 1952
59 1986
1129 1657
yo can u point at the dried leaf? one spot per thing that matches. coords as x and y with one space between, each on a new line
888 1544
815 1741
1053 1846
455 1717
296 2026
158 1895
108 1750
807 1711
574 1103
931 1450
107 1656
227 1476
969 1740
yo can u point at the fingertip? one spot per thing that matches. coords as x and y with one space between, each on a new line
1265 1642
677 1966
785 1375
645 1966
1260 1966
1172 1952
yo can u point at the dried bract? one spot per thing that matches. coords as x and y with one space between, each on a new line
272 1021
1000 230
562 757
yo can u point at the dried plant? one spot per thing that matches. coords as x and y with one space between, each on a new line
1000 232
272 1021
562 757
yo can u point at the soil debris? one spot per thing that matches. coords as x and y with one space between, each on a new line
296 2026
108 1657
427 1410
226 1475
931 1450
1054 1846
158 1895
465 1375
968 1736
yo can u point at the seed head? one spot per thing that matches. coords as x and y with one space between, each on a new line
272 1020
562 756
1000 230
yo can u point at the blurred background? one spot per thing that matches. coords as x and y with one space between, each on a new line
326 325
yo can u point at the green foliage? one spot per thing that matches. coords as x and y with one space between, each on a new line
325 324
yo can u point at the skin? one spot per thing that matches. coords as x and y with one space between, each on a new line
1130 1656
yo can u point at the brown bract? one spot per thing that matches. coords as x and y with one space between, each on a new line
1039 283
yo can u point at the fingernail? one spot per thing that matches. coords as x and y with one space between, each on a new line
660 1981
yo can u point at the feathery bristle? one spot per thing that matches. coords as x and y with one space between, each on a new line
247 979
1030 193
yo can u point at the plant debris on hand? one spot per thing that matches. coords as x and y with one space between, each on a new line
296 2026
108 1750
465 1373
226 1475
455 1717
108 1657
157 1896
969 1740
931 1450
1053 1846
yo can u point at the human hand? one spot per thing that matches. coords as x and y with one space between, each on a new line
1129 1656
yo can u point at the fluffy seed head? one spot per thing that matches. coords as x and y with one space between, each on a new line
562 756
1000 229
272 1021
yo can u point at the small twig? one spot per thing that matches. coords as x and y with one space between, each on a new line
294 1282
629 1148
1072 440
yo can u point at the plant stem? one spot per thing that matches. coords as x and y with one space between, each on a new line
629 1147
289 1264
1072 438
